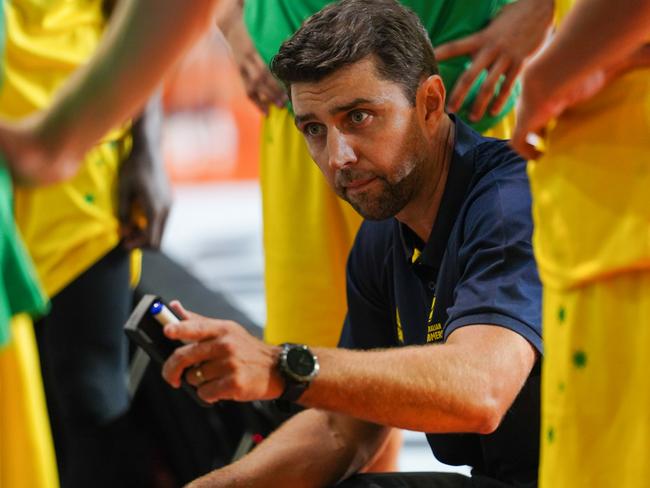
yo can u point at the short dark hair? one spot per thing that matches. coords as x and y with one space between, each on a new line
348 31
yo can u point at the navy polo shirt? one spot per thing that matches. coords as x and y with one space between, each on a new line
476 268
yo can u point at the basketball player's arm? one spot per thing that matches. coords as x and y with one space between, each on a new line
144 38
261 87
597 42
314 448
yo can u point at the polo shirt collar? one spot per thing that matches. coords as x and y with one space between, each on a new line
460 174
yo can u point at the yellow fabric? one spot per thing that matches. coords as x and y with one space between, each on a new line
136 267
592 216
596 399
69 226
592 243
308 233
503 130
26 452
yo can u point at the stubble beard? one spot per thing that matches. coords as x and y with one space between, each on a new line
388 195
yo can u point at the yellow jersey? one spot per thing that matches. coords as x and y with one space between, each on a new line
67 226
590 189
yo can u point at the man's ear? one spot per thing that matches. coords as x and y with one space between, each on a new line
430 100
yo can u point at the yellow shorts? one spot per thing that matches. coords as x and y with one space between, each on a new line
26 451
308 233
595 387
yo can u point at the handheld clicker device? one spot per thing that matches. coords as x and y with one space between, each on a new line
145 328
162 313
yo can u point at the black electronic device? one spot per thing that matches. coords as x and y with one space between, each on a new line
145 328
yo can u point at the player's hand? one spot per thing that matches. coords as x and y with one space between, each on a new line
502 48
223 361
546 95
260 84
33 160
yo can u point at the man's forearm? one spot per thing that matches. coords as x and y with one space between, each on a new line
435 388
595 34
144 38
312 449
464 385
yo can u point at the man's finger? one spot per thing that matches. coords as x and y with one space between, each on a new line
520 139
527 151
486 92
272 91
459 47
215 390
188 356
505 89
174 367
182 312
205 372
466 80
196 329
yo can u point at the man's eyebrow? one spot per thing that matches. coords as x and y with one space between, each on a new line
299 119
349 106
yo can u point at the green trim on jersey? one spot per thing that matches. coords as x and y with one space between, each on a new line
271 22
19 289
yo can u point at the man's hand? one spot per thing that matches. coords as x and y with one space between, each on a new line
261 86
502 48
28 155
144 190
546 96
221 359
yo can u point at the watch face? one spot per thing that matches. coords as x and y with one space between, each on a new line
300 362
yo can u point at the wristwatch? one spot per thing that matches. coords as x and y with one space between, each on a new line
298 366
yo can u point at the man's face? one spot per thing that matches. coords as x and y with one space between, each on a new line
363 133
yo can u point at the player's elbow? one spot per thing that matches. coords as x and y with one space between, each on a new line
487 421
488 409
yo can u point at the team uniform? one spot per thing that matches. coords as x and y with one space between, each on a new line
26 452
592 243
476 268
308 231
72 233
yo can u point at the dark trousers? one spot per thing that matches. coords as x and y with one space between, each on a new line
419 480
407 480
84 359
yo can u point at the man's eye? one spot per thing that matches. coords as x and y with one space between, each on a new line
358 116
313 130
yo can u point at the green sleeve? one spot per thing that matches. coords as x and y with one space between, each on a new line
19 288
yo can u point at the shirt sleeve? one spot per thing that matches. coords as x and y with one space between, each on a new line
499 284
368 323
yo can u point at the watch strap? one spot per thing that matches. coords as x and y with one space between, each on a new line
292 390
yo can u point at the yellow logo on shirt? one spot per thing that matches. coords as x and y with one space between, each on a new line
434 331
400 331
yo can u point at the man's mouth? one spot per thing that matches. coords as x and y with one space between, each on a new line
359 184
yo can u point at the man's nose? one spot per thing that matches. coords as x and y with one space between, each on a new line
341 152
